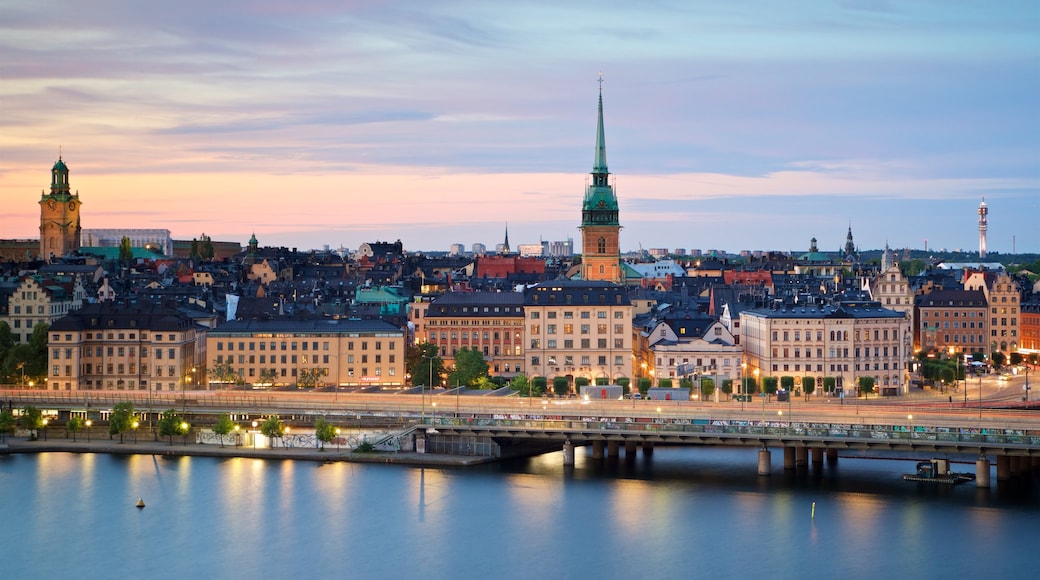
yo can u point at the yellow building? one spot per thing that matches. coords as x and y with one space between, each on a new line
59 215
310 353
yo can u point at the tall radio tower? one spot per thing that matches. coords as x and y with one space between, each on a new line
983 212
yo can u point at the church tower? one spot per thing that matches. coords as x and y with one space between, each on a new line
59 216
600 228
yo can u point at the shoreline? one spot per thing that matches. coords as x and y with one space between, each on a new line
330 454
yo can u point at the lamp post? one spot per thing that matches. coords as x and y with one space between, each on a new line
45 421
910 423
237 440
337 439
184 432
1026 388
134 426
253 435
89 423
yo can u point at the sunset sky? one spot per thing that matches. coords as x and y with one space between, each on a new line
730 125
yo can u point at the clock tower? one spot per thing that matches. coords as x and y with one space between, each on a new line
59 216
600 228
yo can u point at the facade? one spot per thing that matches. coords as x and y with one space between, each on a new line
133 347
951 321
489 322
600 228
159 240
38 300
689 347
506 266
578 329
1030 328
1002 298
844 340
338 352
60 227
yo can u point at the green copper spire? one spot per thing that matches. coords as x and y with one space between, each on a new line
600 206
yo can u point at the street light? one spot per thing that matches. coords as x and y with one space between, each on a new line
184 432
237 440
337 438
253 435
134 426
89 423
910 422
45 421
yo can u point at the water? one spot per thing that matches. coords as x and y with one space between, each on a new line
682 513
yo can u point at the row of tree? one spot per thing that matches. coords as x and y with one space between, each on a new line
23 362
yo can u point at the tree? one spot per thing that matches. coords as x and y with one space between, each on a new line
223 427
727 387
787 383
121 420
644 384
866 385
602 381
31 420
272 427
324 431
522 385
267 377
423 364
469 366
541 384
750 385
665 383
769 384
1016 358
309 378
580 382
998 359
808 386
560 386
72 425
126 254
170 424
707 388
224 373
829 384
7 423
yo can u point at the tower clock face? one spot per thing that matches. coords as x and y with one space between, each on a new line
72 205
51 204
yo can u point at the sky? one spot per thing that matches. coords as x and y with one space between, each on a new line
751 125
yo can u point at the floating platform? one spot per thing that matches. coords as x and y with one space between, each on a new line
937 471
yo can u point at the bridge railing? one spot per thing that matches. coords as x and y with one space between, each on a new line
778 430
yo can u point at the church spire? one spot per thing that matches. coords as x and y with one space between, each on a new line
505 246
599 166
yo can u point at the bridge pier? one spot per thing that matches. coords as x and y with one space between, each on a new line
612 449
630 448
1003 468
764 464
982 472
568 452
832 456
801 456
648 449
817 456
597 449
788 457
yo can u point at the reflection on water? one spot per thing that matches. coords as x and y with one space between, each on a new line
680 512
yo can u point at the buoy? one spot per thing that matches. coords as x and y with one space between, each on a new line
813 511
140 503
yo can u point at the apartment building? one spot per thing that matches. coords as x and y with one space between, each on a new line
951 320
578 328
39 300
490 322
141 346
320 353
845 340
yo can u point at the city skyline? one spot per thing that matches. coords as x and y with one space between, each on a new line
750 127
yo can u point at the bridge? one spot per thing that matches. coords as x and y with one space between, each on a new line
496 426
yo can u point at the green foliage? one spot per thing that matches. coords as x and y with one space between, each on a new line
223 427
644 384
541 384
866 385
170 424
122 419
31 420
324 431
560 386
224 372
601 381
125 253
485 384
201 248
272 427
624 382
787 383
727 387
469 367
422 361
7 422
73 425
581 382
808 385
829 384
998 359
522 385
268 377
946 375
749 385
1016 358
365 447
309 378
686 384
665 383
1033 358
707 387
978 356
769 384
912 267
